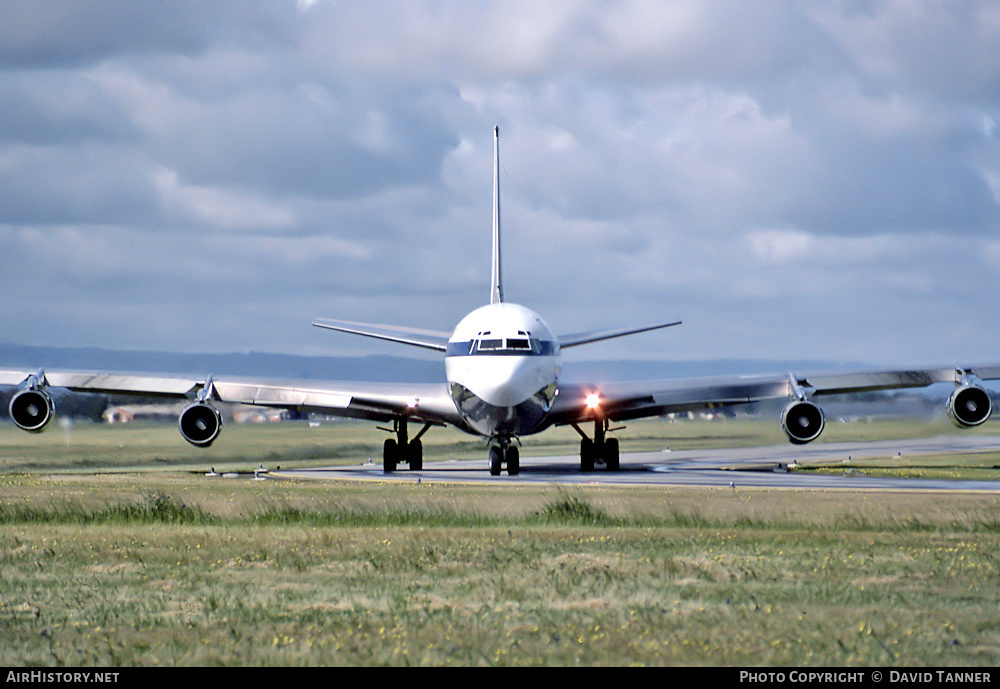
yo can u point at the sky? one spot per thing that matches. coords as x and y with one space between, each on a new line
793 180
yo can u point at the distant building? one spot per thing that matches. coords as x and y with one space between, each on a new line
126 413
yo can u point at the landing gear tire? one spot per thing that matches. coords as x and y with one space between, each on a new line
513 461
496 461
587 455
390 455
416 453
611 454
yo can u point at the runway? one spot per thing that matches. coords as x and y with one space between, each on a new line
757 467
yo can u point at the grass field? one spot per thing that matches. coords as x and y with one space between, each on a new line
115 550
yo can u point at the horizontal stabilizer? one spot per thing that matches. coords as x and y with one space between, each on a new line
598 335
428 339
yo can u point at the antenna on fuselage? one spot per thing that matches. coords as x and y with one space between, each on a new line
496 282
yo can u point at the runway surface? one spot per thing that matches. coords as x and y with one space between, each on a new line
760 467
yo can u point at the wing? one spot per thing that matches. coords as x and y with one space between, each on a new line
576 339
630 400
417 337
429 403
619 401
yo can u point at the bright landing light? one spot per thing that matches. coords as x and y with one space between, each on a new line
593 401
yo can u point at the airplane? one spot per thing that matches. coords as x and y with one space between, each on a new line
502 370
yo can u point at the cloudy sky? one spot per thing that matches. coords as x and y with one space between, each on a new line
792 179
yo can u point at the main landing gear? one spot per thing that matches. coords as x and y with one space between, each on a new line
502 452
600 449
401 448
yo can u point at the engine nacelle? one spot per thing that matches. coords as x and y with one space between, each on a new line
802 421
969 405
30 410
200 424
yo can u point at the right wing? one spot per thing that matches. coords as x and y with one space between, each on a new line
428 403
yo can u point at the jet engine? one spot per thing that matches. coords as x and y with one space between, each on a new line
31 409
200 424
802 421
969 405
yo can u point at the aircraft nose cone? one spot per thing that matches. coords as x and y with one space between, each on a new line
515 380
506 381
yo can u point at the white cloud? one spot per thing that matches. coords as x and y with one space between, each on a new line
218 208
782 246
879 115
992 178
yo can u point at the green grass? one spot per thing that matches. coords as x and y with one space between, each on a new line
981 466
168 594
139 561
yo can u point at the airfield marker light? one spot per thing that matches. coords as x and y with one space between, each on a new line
593 401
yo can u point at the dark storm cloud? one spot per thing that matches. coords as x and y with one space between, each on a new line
66 32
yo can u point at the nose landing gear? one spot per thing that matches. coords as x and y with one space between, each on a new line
502 452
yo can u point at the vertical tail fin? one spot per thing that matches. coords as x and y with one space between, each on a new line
496 284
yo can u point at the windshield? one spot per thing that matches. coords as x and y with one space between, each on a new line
507 344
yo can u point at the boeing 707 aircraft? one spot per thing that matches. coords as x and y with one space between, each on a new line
502 365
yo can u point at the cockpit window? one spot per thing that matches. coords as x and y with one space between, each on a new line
521 344
509 344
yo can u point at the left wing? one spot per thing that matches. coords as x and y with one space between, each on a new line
969 404
620 401
32 407
576 339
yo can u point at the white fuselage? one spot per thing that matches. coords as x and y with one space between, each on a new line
503 365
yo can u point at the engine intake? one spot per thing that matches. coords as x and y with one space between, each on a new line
30 410
802 421
969 405
200 424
